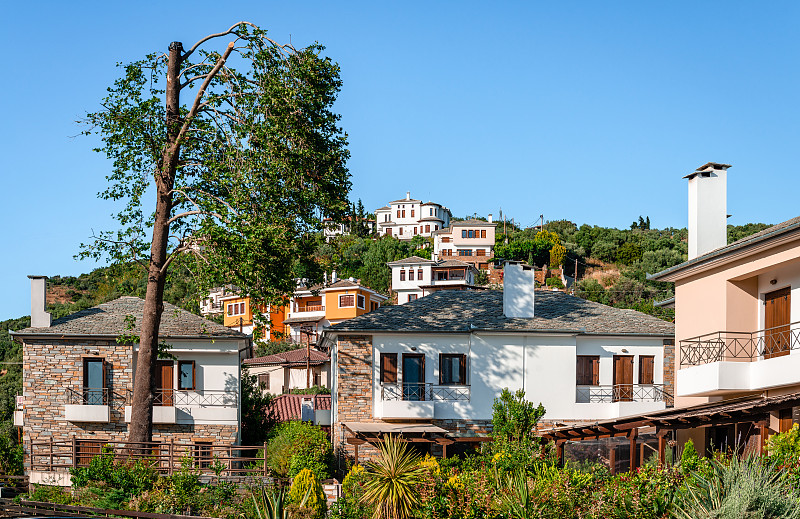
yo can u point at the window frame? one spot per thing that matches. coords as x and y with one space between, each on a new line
347 306
652 360
180 375
85 389
462 369
402 274
413 297
363 299
463 233
265 380
593 374
385 357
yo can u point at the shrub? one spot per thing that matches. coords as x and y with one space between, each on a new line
736 488
350 505
554 282
11 456
296 446
306 492
784 448
50 494
128 478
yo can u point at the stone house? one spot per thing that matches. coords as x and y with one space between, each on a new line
431 369
78 380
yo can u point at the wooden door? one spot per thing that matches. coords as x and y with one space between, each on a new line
164 383
413 376
623 378
777 337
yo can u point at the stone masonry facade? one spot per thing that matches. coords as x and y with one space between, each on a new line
354 399
669 367
52 374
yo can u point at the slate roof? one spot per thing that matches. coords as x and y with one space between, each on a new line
410 259
108 320
767 234
456 310
458 223
453 263
404 200
290 358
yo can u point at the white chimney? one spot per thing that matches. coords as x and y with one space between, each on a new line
39 318
334 277
408 195
708 208
490 218
518 290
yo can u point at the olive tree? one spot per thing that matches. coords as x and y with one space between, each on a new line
235 180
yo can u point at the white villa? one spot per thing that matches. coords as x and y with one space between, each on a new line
430 369
417 277
471 241
409 217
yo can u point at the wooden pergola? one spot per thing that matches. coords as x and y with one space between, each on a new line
360 433
737 411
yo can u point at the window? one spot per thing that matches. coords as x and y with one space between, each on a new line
373 305
94 381
347 301
465 252
588 370
404 213
317 379
186 375
400 231
436 227
398 213
263 380
402 275
415 231
428 228
386 217
388 368
441 275
464 233
646 365
480 252
445 239
412 213
419 274
411 274
470 234
362 301
452 369
202 454
236 309
431 211
483 233
412 297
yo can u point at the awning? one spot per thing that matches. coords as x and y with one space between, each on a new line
293 320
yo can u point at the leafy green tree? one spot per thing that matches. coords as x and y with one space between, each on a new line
306 492
241 173
257 420
629 253
513 417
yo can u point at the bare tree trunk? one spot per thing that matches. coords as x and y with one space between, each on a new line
141 428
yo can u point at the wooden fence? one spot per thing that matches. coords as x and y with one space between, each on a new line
9 508
165 457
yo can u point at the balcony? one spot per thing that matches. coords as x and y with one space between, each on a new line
90 405
416 400
725 362
178 406
622 393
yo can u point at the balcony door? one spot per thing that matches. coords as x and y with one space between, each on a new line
623 378
164 383
413 376
777 340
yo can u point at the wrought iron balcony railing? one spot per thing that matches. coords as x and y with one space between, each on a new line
622 393
92 396
740 346
199 397
422 391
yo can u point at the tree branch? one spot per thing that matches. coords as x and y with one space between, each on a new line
191 213
217 35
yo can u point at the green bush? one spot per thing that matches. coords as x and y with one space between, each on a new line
50 494
313 390
306 492
129 478
554 282
296 446
350 505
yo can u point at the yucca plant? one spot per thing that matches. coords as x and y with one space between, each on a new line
515 496
392 479
271 503
749 488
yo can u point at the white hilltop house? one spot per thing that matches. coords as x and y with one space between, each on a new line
471 241
416 277
409 217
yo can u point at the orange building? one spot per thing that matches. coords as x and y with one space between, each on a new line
238 315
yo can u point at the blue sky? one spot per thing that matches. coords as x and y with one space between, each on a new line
590 111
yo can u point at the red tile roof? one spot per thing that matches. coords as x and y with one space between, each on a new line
289 358
287 407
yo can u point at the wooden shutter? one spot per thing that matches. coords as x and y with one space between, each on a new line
388 368
483 233
462 365
587 370
646 365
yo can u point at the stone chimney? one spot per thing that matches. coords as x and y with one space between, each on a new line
518 289
39 317
489 218
708 208
408 195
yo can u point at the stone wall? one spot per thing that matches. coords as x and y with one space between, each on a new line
669 366
51 368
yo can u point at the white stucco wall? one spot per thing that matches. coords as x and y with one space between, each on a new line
543 365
